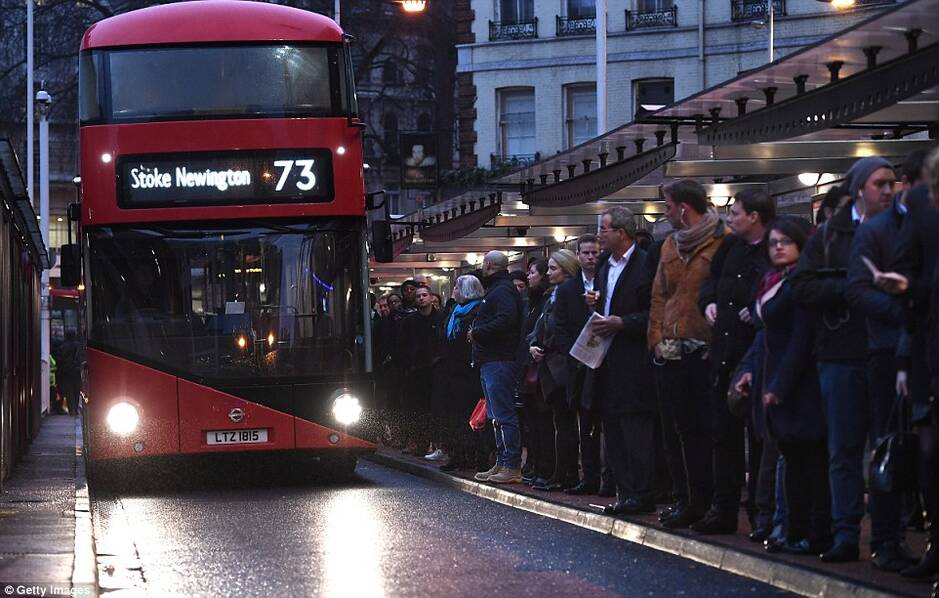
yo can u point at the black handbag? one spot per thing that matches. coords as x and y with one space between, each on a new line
893 464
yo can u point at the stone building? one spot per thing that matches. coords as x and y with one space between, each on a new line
527 68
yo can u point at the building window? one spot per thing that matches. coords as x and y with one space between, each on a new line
517 122
652 13
580 19
516 11
390 137
581 9
423 122
645 6
581 113
652 94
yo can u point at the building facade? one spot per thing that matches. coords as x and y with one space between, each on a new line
527 68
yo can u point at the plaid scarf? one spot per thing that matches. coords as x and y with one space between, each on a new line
687 240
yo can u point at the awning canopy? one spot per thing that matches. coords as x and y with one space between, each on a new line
871 89
13 191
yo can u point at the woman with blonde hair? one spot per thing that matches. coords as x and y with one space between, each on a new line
552 376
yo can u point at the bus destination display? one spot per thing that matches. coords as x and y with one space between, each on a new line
226 178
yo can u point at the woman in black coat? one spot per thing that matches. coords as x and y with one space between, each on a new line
537 425
787 398
548 352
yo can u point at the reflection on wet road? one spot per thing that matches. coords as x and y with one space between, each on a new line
386 533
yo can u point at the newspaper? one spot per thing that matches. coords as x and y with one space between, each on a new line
589 348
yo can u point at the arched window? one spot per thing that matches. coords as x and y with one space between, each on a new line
389 73
424 122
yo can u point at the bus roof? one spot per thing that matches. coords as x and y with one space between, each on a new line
211 21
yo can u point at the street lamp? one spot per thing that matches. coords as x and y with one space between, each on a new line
413 6
408 6
45 102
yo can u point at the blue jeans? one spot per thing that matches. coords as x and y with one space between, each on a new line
498 381
847 419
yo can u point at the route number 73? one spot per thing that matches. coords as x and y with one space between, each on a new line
307 176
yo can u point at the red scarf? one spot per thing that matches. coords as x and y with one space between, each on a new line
770 280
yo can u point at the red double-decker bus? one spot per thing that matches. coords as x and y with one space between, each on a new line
224 234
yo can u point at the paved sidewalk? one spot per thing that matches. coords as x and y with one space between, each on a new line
803 575
45 531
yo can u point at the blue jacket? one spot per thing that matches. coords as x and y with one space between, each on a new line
498 324
875 240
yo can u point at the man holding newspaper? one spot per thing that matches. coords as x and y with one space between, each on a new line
614 343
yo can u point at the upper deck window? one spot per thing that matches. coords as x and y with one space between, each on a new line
245 81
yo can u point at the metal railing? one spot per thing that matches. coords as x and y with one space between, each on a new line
507 31
570 26
499 162
748 10
666 17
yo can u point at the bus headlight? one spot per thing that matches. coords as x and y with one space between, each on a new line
122 419
346 409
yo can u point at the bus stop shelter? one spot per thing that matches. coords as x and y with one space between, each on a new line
791 128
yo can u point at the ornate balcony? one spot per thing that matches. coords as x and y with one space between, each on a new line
513 161
570 26
509 31
666 17
750 10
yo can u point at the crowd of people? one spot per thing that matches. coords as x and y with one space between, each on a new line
754 353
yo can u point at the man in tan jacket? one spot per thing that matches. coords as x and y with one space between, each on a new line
679 335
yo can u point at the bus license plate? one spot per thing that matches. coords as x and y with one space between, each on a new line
236 436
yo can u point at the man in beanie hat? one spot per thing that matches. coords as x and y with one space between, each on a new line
820 281
875 241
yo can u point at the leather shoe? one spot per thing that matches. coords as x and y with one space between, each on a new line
635 506
760 534
841 553
715 523
794 547
670 510
537 482
607 491
582 489
682 518
892 557
927 566
548 486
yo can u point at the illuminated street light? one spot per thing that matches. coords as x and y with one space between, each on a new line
839 4
413 6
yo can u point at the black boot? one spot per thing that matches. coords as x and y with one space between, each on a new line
927 566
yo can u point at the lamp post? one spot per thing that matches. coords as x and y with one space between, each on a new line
600 18
30 116
45 101
771 15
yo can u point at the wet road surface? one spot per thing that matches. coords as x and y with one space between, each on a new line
384 533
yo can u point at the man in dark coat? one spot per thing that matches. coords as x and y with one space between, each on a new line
874 241
68 371
819 281
495 336
620 389
725 296
419 340
571 313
